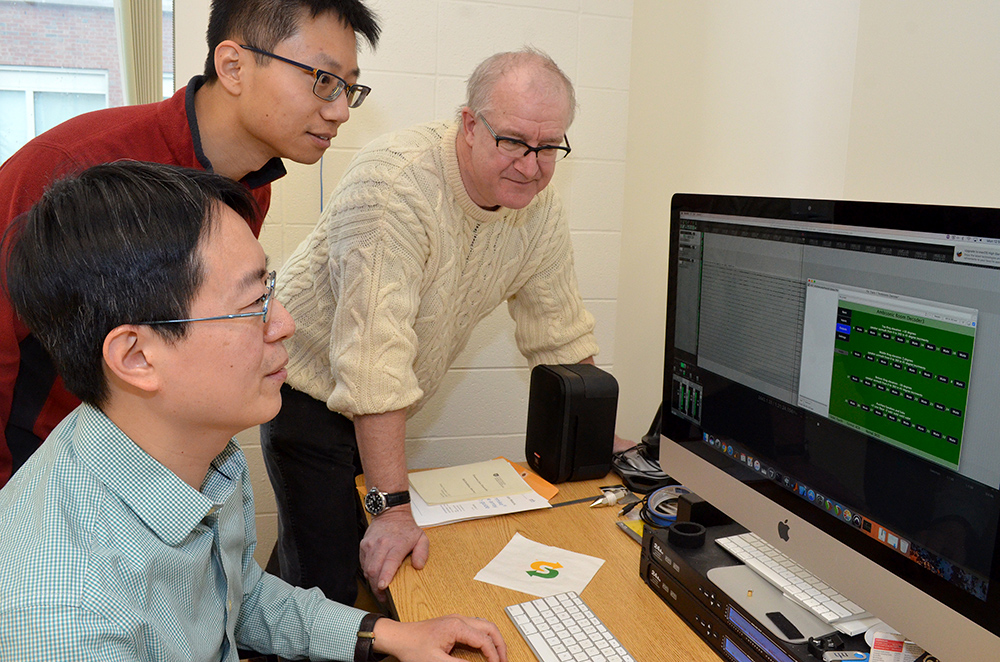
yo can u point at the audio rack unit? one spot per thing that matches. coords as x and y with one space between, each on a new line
722 638
734 628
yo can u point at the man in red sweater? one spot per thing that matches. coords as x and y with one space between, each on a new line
280 78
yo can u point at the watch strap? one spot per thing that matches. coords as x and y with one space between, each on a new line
396 498
364 649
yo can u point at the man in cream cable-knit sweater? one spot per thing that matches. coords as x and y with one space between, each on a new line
430 229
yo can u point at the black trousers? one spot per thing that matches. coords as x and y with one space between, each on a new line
311 455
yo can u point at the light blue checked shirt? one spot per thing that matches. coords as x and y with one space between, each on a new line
107 555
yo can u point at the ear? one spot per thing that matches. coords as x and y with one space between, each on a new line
128 354
468 125
230 65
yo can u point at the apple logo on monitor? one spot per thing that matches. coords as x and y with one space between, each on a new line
783 530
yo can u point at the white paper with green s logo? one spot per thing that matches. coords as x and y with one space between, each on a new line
527 566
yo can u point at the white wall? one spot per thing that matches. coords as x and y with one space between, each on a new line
418 73
924 122
811 98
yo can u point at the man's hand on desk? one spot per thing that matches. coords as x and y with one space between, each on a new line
390 537
433 640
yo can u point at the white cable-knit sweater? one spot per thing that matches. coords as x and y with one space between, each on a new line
402 265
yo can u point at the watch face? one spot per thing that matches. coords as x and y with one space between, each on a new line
374 502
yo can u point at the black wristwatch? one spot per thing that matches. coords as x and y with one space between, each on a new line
377 502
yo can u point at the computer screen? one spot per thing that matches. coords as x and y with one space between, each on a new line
832 381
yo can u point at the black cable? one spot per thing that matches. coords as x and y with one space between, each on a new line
659 508
639 466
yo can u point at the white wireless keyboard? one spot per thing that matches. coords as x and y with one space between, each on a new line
561 628
794 581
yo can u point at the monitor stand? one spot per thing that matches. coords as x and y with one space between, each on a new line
758 598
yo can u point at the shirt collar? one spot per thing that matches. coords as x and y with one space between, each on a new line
166 504
272 170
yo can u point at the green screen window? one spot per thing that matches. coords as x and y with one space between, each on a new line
902 378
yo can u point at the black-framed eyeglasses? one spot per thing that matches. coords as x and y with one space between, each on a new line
327 86
264 302
515 148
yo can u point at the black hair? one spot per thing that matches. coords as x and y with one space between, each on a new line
116 244
266 23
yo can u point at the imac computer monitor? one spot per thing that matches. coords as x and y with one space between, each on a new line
832 382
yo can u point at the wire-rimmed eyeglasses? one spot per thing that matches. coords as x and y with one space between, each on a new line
264 302
327 86
515 148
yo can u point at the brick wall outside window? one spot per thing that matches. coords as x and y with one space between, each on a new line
67 36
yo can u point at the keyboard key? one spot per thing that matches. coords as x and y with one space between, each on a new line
851 607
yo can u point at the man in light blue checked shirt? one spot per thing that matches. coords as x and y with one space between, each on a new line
130 534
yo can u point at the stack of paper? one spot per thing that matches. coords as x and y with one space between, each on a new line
482 489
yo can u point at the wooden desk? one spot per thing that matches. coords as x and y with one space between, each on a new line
641 621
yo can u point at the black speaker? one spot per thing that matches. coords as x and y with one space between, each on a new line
571 422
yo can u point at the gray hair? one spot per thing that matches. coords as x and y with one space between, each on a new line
490 71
